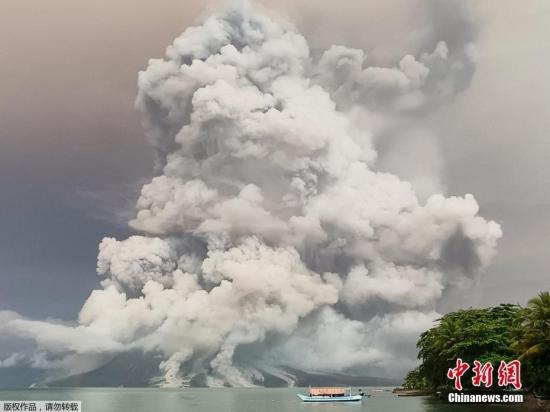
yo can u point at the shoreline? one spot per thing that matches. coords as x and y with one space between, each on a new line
413 392
530 402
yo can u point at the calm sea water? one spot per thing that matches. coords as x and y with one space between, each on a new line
231 400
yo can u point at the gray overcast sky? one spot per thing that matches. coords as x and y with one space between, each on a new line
71 146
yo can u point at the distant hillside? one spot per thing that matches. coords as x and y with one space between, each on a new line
20 377
132 369
318 379
136 369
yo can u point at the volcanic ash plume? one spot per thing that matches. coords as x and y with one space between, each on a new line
268 238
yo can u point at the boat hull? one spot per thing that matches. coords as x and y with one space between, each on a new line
352 398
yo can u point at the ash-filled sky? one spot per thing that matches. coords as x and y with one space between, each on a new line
312 167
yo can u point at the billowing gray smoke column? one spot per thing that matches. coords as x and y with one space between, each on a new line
267 237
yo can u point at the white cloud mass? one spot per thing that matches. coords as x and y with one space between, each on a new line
268 237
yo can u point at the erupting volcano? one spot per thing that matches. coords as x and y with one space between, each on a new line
269 241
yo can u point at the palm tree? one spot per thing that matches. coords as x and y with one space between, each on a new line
437 348
533 339
532 342
449 334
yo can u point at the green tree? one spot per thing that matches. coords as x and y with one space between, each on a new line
472 334
415 380
532 342
533 339
437 349
504 332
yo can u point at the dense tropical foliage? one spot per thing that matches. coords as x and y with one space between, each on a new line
532 342
504 332
415 380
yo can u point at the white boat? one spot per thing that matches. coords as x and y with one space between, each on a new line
330 394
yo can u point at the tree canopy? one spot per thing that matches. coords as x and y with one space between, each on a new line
503 332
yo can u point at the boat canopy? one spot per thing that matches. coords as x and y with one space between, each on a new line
327 391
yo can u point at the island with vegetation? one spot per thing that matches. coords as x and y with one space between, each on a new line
505 332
